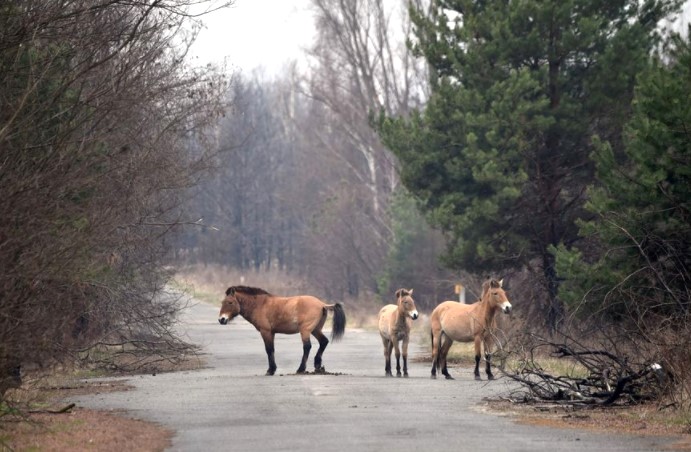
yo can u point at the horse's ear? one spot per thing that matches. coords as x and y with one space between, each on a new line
230 291
410 291
398 293
501 282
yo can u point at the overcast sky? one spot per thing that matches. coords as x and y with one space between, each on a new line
268 33
255 33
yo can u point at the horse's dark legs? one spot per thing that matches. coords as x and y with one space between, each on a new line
405 357
445 346
323 342
488 358
477 357
269 346
477 368
388 347
306 347
397 351
435 353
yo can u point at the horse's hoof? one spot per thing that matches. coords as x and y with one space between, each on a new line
433 377
300 371
405 375
448 377
270 372
398 375
478 378
490 377
320 370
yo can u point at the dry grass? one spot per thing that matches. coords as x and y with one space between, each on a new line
209 282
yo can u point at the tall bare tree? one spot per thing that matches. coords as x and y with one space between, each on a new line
360 65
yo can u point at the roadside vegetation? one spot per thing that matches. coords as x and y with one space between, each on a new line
103 126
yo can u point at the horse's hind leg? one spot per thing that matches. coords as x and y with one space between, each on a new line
397 352
446 344
435 352
323 342
488 369
306 347
488 359
269 347
478 342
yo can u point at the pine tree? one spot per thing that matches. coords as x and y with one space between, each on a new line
499 156
642 207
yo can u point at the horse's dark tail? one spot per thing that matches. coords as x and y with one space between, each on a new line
339 322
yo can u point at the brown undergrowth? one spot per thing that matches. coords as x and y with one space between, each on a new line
637 419
39 417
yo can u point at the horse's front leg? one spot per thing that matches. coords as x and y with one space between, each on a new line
397 351
405 355
268 337
306 347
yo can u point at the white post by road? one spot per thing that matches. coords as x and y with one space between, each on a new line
460 290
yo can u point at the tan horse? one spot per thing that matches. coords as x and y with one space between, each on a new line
270 314
394 326
452 321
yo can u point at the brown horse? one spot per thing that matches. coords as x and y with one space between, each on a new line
394 326
270 314
452 321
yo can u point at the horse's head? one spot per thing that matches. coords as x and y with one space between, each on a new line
497 296
404 298
230 307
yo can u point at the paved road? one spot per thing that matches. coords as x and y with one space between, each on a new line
232 406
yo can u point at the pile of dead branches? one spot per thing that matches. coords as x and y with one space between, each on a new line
579 374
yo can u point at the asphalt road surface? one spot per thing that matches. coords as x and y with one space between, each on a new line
231 406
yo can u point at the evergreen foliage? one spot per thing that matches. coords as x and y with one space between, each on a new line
499 155
642 225
412 260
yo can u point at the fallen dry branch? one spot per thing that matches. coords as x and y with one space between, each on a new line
66 409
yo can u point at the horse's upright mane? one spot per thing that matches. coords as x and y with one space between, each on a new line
248 290
491 282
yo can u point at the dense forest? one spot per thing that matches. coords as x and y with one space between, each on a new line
424 144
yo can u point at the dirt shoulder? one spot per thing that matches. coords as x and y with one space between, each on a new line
636 420
48 421
82 430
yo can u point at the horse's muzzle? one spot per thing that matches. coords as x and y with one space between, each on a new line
222 320
414 315
507 309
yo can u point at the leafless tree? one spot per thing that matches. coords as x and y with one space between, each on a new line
360 65
304 183
97 113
